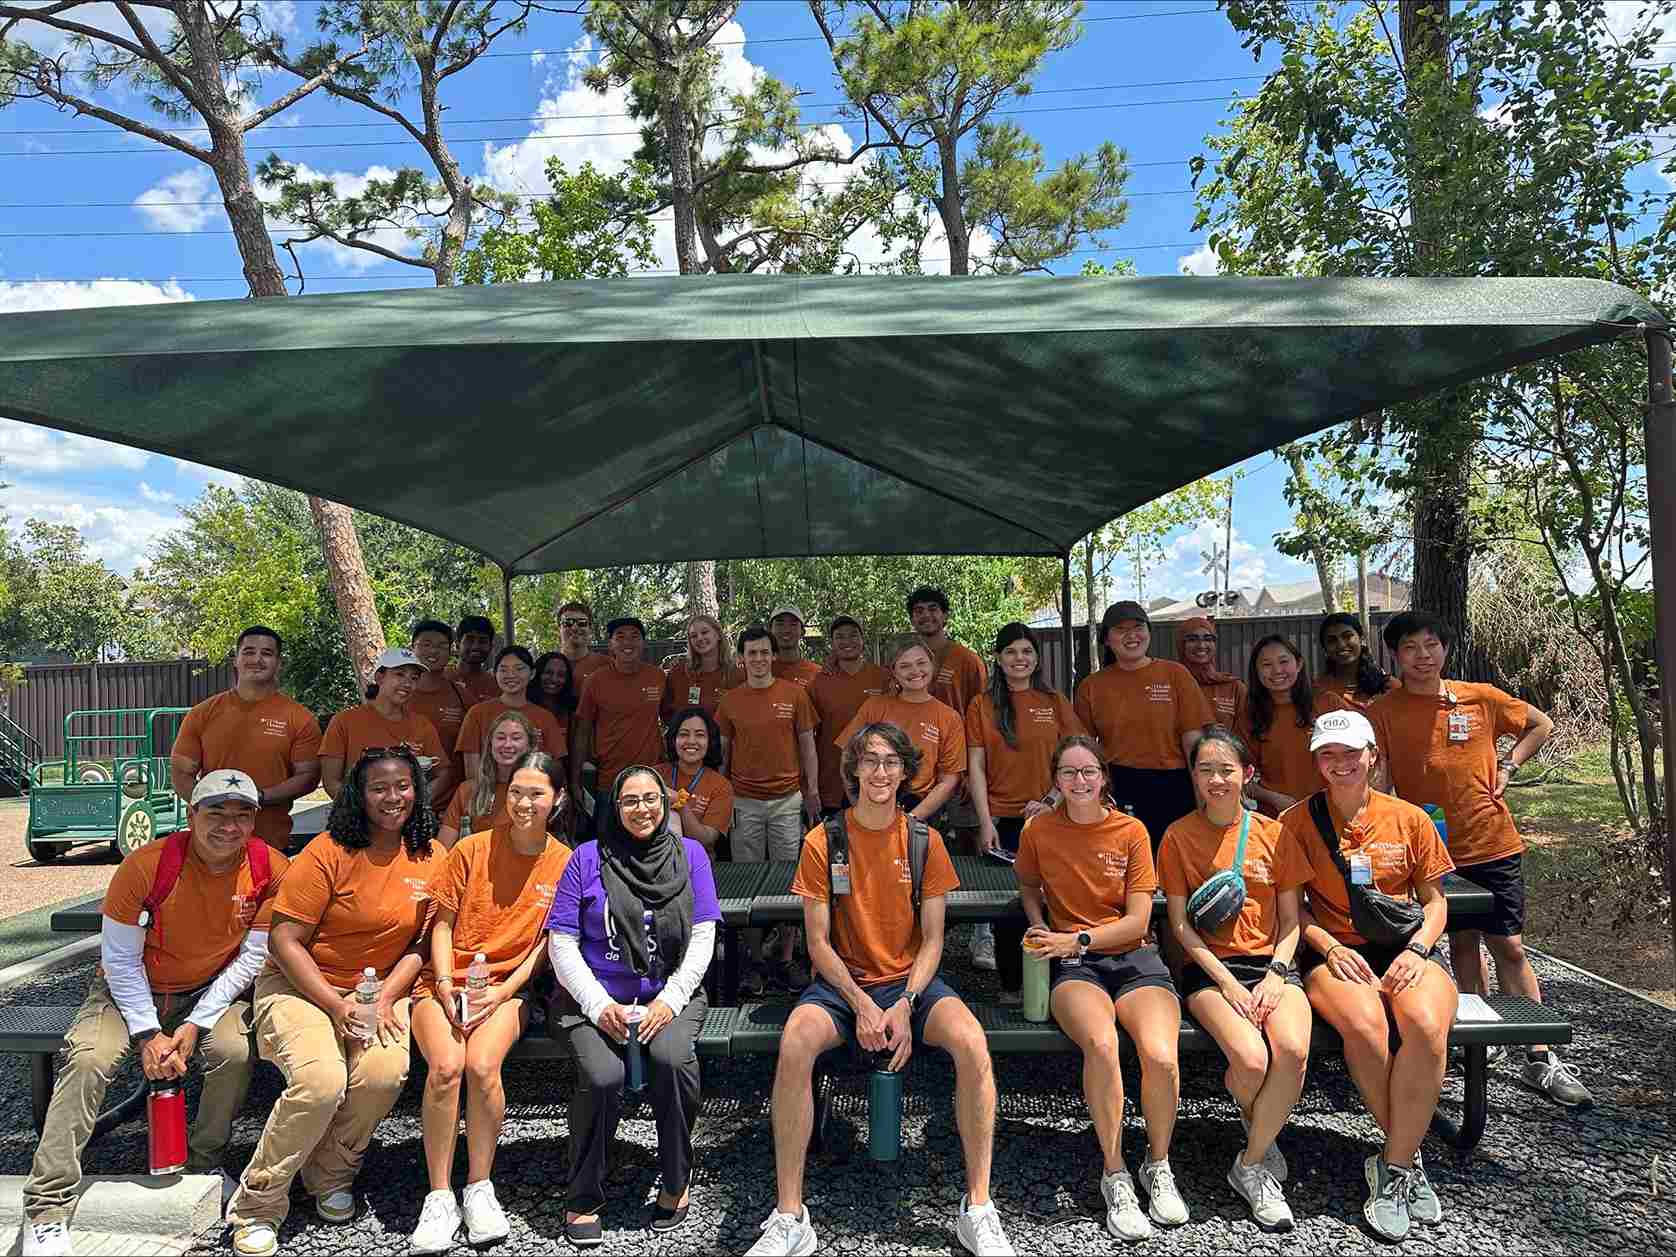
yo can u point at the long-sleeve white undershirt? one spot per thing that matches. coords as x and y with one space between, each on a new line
122 957
565 951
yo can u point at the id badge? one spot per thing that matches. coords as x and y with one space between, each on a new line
1460 726
840 879
1361 870
694 693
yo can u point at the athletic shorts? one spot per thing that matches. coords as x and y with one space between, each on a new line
1117 975
1156 797
1378 956
1248 971
823 995
1505 880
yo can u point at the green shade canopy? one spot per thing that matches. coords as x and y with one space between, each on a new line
558 426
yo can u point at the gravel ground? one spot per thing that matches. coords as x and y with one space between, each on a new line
1544 1180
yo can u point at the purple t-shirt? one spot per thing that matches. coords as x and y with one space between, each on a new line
579 907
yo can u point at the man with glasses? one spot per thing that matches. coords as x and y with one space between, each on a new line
1196 649
877 985
576 638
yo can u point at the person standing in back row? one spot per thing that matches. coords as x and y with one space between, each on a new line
385 721
768 745
846 682
698 677
1437 746
441 700
1196 651
576 642
1352 674
1147 714
617 720
786 626
475 638
255 729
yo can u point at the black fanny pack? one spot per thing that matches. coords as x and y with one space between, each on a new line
1378 917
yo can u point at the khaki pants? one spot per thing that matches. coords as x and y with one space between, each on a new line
336 1093
94 1049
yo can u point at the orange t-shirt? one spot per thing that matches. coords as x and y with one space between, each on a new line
1281 756
623 708
762 728
1426 767
1401 844
1017 775
1140 716
931 726
800 672
1226 699
583 668
1087 872
480 686
267 739
549 736
446 709
455 817
500 900
685 688
874 930
1346 694
1193 849
367 907
710 796
837 696
354 730
960 677
202 923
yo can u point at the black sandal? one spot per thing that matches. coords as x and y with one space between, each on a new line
666 1220
585 1234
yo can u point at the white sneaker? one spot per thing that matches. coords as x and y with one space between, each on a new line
983 949
338 1206
485 1219
785 1235
978 1228
1274 1160
439 1222
1124 1218
46 1239
1164 1201
255 1239
1257 1187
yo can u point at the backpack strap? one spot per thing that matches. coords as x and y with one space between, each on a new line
837 851
919 847
257 855
175 847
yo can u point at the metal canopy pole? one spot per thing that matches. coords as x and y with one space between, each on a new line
506 605
1066 636
1660 434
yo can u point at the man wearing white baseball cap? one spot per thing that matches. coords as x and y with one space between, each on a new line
385 719
1374 912
786 626
183 935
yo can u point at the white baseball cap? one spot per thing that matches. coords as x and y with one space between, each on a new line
224 784
788 609
1342 728
398 657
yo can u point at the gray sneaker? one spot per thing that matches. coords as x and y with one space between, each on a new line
1423 1205
1124 1218
1556 1080
1274 1160
1387 1207
1164 1202
1258 1188
785 1235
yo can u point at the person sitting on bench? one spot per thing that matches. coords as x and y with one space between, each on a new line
1243 875
184 933
1356 837
861 877
1093 865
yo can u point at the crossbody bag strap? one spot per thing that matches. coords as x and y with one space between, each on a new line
1323 819
837 844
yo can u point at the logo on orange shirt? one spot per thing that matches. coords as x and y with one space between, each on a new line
244 909
652 693
1115 864
783 711
1160 692
1257 869
1042 715
416 889
273 726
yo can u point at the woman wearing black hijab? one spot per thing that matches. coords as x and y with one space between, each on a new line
632 931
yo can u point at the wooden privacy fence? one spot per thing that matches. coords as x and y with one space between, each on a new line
52 691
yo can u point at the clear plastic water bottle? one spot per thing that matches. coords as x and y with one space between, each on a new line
477 984
366 1003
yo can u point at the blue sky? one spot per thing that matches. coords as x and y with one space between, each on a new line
1154 76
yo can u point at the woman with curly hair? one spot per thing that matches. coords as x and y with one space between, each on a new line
354 902
557 688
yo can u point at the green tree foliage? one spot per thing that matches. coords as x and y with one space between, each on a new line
593 226
60 599
924 78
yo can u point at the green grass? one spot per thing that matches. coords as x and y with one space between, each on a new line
1581 797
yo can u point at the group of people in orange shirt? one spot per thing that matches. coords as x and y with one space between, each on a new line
568 819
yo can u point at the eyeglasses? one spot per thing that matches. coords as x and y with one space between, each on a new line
1091 773
571 621
1199 637
873 763
632 802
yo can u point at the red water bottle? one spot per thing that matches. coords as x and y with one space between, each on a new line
165 1110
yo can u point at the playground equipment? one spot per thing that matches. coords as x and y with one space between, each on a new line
111 786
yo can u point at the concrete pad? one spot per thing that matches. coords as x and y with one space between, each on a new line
173 1207
69 954
106 1244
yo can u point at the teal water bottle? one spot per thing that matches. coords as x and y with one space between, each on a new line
1436 813
884 1110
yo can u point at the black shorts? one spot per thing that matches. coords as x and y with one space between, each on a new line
1157 798
823 995
1378 956
1009 829
1248 971
1117 975
1505 880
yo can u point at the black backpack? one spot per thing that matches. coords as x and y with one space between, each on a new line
919 846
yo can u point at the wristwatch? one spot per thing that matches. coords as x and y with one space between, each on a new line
911 998
1085 940
1419 949
1280 968
1509 765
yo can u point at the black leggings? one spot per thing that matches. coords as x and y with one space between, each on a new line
1009 939
1157 798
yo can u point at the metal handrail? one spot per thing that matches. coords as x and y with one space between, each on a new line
20 752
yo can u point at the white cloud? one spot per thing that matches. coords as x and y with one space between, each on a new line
176 202
119 533
43 452
1202 261
83 294
159 497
